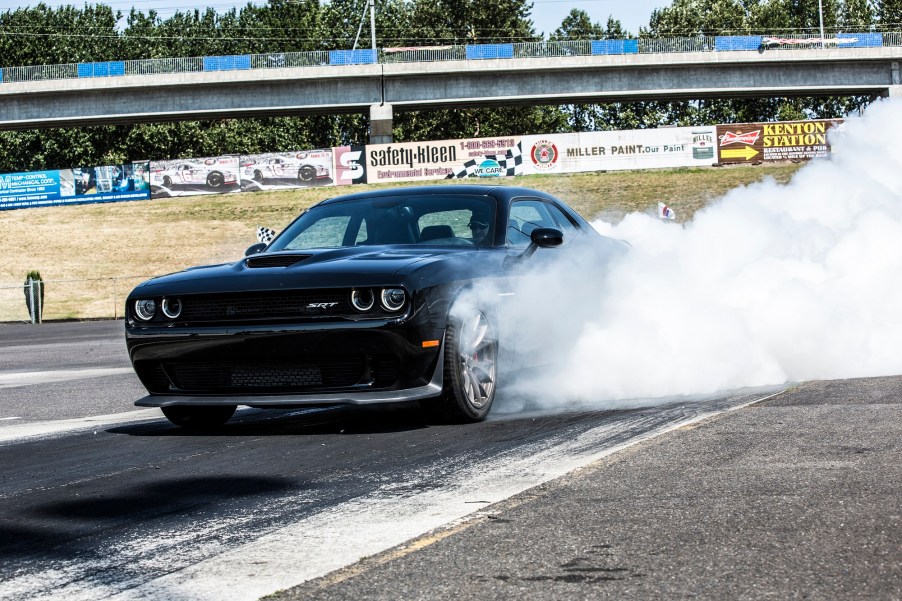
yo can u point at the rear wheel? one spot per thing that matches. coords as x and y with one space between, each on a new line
307 173
215 179
198 417
471 365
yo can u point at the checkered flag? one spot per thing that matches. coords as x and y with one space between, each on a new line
511 164
264 234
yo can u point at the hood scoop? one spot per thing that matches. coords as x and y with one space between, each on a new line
274 260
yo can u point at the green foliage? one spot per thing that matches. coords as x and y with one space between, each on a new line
68 34
577 26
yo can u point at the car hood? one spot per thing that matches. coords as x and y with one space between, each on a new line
330 268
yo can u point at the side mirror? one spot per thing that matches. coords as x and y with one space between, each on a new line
546 237
254 249
542 237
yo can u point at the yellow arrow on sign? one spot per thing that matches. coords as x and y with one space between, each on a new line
745 152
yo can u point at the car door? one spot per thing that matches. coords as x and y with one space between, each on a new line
535 320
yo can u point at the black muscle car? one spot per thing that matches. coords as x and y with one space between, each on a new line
353 303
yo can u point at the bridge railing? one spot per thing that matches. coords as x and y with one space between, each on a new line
541 49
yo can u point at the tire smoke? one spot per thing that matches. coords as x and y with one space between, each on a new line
770 284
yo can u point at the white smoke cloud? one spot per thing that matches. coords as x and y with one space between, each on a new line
770 284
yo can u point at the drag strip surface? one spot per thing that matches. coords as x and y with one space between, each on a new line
102 501
144 510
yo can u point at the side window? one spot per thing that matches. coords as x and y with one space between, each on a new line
328 232
362 235
444 224
525 216
563 222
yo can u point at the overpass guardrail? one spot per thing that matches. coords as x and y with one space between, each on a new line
416 54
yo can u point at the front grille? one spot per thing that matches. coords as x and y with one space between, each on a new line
271 305
321 373
274 260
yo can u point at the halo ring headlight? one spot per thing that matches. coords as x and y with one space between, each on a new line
393 299
145 309
363 300
172 307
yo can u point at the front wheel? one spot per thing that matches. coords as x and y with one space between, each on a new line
198 417
471 366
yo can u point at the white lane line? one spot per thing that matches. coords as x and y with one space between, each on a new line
30 378
344 534
18 432
3 419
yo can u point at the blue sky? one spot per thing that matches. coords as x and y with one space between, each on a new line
547 14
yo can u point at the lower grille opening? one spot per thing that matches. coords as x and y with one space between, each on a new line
318 374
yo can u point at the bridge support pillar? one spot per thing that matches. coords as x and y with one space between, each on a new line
380 123
894 92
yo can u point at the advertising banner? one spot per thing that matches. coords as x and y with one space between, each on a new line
350 165
448 159
75 186
280 170
191 177
619 150
785 141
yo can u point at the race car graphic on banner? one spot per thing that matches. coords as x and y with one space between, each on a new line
191 177
277 170
619 150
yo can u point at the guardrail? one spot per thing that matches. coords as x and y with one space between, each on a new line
69 299
419 54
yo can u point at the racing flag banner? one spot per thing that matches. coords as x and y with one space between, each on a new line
783 141
619 150
449 159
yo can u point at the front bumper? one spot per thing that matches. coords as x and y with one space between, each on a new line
371 397
286 365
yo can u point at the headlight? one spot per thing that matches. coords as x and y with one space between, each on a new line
393 299
172 307
145 309
362 300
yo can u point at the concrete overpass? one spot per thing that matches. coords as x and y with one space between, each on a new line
381 89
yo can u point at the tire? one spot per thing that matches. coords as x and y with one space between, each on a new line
471 367
167 181
215 179
258 176
307 173
195 417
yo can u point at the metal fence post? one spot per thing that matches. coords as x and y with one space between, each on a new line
31 305
38 297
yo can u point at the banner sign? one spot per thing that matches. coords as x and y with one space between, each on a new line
619 150
483 158
448 159
81 185
350 165
191 177
281 170
784 141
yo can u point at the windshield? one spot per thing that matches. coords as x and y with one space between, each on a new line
442 219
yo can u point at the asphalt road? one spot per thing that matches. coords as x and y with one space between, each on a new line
796 496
